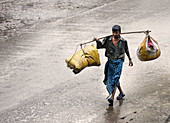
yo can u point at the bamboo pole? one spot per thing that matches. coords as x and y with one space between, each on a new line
146 32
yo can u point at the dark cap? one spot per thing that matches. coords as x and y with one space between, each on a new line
116 28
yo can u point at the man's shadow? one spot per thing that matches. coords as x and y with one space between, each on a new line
113 112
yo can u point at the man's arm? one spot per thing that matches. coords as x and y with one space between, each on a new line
100 44
128 54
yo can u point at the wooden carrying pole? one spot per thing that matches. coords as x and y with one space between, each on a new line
146 32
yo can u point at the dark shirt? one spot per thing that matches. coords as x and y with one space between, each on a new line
112 51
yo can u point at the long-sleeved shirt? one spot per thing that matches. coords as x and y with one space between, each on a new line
112 51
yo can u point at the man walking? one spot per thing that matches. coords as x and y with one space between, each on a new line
116 47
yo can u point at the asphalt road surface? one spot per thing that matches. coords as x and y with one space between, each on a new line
37 87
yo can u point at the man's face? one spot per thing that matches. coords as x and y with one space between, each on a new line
116 34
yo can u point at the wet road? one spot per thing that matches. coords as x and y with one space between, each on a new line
36 86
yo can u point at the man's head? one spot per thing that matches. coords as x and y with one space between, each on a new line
116 29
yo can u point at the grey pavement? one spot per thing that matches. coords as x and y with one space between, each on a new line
36 86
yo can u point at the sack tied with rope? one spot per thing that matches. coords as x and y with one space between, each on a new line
148 49
87 56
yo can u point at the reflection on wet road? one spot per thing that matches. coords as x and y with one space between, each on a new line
113 113
36 86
